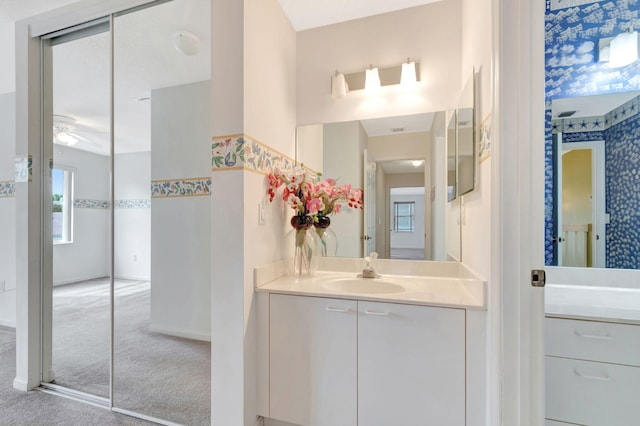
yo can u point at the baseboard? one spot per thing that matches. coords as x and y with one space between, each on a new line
180 333
8 324
23 385
132 278
79 280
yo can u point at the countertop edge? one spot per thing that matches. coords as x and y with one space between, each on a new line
346 296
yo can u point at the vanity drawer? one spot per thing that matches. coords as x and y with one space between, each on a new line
591 393
593 341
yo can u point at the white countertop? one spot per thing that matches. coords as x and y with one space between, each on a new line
452 292
610 304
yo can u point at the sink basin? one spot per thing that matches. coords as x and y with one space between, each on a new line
364 285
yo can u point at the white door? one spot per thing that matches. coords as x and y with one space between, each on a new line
313 355
369 178
517 189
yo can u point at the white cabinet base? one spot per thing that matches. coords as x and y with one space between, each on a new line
410 365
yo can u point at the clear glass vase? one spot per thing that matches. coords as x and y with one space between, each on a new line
303 246
328 238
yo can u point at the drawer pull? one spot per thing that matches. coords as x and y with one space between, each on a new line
593 336
378 313
343 310
590 377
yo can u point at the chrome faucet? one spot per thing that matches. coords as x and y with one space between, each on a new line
368 271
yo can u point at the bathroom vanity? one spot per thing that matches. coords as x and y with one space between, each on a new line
592 355
343 350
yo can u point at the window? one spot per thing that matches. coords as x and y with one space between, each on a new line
62 194
404 216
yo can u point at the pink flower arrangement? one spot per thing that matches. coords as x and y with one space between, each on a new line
309 198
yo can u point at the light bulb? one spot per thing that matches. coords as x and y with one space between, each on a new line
372 79
408 75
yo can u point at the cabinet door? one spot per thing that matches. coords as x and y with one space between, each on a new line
313 359
411 365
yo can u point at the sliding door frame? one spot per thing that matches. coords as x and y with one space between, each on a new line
34 143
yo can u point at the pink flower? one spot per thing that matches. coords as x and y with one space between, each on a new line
314 205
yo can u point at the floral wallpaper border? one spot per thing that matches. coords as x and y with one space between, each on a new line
189 187
133 204
242 152
83 203
24 169
7 189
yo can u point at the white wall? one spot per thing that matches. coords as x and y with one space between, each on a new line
7 212
309 141
477 218
87 257
430 34
343 151
181 226
227 280
8 49
132 228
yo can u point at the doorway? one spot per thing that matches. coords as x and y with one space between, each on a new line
126 315
579 204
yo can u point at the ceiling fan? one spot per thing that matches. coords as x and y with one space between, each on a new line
66 131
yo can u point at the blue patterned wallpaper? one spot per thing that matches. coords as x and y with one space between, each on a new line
572 33
622 146
622 181
571 49
548 189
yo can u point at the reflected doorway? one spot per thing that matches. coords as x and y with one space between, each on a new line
580 223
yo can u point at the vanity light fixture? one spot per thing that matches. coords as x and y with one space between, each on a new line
339 86
408 74
372 79
620 50
186 42
623 49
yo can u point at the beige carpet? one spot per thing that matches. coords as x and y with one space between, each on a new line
40 409
156 375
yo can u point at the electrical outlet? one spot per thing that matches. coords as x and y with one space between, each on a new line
135 257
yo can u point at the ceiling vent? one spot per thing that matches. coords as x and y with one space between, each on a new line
565 114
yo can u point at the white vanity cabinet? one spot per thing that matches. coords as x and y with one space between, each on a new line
345 362
411 365
592 372
313 360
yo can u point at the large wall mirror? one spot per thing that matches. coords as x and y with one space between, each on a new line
413 170
401 164
592 184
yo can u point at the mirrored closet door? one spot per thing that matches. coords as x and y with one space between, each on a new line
162 353
126 287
